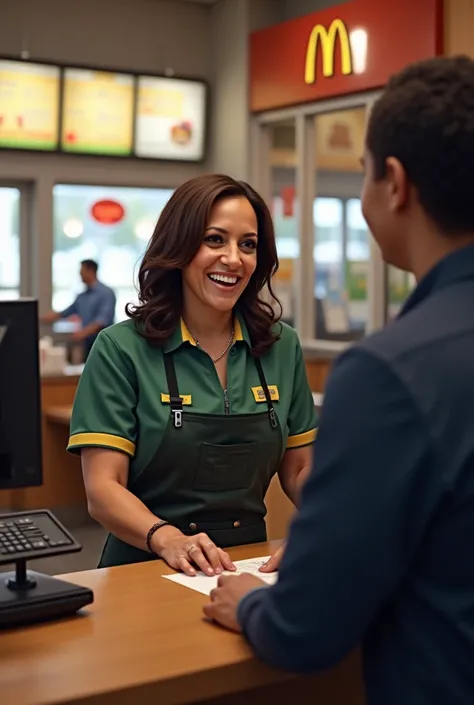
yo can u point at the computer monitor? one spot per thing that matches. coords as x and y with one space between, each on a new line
20 410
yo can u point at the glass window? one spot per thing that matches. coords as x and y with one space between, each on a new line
108 224
284 211
9 243
341 238
357 258
400 284
328 248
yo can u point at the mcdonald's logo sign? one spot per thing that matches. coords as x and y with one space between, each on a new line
326 39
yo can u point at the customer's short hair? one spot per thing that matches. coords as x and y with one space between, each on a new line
90 264
425 119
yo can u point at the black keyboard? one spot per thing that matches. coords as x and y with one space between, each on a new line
35 534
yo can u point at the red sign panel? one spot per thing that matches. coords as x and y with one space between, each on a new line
108 212
288 200
351 48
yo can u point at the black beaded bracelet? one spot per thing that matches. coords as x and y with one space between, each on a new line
154 528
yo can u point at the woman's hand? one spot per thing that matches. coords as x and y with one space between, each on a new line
185 553
274 561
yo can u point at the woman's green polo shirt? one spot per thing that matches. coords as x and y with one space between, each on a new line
122 400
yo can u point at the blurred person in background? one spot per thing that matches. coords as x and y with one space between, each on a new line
95 307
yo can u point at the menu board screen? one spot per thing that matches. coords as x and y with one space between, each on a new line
170 119
29 105
97 116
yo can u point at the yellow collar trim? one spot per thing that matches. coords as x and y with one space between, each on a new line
188 338
186 335
238 330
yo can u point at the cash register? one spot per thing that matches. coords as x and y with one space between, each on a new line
27 596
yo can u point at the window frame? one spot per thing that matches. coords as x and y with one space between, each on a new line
306 192
26 287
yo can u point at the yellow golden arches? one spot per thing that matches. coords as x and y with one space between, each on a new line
327 39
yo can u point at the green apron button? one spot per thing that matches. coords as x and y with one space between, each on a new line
192 526
236 524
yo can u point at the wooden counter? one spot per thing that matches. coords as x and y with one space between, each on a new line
318 371
144 642
59 414
62 479
62 475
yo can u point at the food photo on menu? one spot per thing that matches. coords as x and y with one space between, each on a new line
182 132
170 118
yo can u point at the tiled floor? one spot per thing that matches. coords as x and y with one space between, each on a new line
92 538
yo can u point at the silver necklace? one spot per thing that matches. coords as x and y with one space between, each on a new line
219 357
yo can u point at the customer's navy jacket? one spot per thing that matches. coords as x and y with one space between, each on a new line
382 551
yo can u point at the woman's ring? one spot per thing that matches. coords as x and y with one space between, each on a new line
192 548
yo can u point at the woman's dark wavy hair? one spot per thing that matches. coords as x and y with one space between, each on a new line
176 240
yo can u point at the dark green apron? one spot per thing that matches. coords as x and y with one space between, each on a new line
210 474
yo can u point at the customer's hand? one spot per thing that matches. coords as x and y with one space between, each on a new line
274 561
186 553
226 596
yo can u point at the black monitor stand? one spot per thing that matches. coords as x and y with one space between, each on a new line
30 597
21 580
27 596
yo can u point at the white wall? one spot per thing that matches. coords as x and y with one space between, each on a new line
230 123
298 8
232 22
134 34
264 13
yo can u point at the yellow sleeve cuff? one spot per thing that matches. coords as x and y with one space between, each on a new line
100 440
302 439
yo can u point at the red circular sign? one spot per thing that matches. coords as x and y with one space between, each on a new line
108 212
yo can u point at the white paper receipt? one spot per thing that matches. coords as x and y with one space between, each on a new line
205 583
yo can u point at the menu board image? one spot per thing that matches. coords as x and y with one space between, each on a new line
97 114
170 119
29 105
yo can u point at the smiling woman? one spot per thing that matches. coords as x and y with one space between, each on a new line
185 412
211 227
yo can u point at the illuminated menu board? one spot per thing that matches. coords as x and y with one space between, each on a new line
97 115
170 119
29 105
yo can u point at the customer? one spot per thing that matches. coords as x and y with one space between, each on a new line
95 307
185 412
382 551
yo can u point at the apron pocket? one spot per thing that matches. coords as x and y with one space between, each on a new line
225 467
